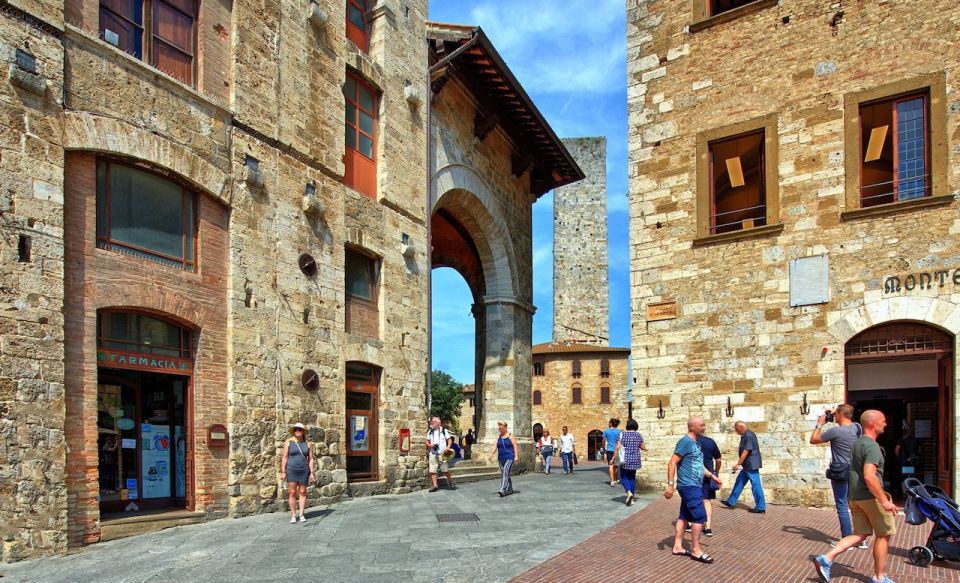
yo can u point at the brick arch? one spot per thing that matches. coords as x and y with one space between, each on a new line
934 311
94 133
462 193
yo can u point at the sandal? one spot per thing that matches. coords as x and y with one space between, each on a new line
683 554
703 558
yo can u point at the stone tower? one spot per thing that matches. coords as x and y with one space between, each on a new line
581 309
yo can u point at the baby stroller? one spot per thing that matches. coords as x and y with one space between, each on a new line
925 501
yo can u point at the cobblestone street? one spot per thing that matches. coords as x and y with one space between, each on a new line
382 538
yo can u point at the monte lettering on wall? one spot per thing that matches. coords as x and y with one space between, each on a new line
922 280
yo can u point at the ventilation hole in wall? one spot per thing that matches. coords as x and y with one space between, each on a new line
306 315
31 223
248 300
786 19
24 245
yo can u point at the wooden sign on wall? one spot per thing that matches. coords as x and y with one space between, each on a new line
662 311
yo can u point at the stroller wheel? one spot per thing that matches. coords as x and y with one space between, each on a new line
920 556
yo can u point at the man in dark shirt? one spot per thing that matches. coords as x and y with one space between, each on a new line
750 463
711 461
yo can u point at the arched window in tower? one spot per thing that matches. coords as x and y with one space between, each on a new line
577 372
538 369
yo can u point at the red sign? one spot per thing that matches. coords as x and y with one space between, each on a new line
146 362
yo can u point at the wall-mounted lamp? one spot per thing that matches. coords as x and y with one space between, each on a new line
411 94
312 205
805 407
406 247
316 15
252 173
729 411
660 412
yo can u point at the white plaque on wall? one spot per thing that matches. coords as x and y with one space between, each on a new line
809 281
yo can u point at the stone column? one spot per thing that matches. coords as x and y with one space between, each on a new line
505 387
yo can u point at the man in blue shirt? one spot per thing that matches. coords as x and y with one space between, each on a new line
610 437
711 461
685 474
750 463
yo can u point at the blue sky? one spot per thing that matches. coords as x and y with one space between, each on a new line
570 56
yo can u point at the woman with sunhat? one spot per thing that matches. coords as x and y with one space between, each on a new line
297 469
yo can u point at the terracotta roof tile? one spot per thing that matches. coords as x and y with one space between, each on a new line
576 347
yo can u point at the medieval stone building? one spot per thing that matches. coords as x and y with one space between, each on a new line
216 222
793 173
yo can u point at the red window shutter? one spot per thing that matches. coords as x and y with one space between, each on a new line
174 38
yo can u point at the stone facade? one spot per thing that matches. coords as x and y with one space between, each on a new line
259 138
801 74
581 286
556 384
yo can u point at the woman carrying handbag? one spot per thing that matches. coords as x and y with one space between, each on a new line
297 469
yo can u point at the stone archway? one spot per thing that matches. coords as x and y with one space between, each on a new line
469 234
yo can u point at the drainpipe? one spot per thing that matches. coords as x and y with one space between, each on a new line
429 252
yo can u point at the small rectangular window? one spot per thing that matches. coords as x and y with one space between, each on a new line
538 369
720 6
737 183
604 395
537 398
173 44
894 150
143 214
576 371
360 275
360 136
357 23
577 396
604 368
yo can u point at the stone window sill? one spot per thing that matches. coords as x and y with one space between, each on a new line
896 207
731 15
738 235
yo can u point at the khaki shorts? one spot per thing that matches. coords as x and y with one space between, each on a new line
870 518
437 465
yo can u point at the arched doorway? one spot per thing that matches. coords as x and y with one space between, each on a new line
537 432
594 443
906 370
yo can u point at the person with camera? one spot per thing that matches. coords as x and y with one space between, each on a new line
841 438
439 442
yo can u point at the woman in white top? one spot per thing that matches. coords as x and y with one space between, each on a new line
545 446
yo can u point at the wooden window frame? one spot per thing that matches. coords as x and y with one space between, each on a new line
604 368
934 85
537 398
771 180
576 368
184 349
105 242
359 37
705 17
370 385
576 395
150 22
356 161
604 392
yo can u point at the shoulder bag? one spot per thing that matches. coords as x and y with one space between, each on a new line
839 470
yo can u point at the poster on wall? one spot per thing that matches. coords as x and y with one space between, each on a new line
359 440
155 460
180 482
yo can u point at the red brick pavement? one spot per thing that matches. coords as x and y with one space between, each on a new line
748 548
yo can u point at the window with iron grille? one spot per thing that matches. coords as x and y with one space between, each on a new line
146 215
737 186
171 43
894 150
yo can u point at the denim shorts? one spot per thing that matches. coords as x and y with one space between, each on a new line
691 504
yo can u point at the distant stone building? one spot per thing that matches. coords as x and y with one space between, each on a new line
581 289
468 409
215 224
581 386
793 171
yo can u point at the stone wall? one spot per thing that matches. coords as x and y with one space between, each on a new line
581 289
555 386
737 335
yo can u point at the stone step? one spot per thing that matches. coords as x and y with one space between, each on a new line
119 526
473 471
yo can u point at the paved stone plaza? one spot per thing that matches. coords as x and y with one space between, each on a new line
381 538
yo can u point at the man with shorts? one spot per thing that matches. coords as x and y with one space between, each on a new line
610 437
871 509
711 462
685 473
439 441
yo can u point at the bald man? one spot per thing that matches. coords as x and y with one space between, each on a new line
686 466
749 463
871 509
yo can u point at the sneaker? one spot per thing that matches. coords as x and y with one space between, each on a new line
434 489
822 565
293 520
453 486
302 518
863 545
708 532
629 501
688 528
612 483
727 504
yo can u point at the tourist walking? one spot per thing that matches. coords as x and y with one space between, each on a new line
439 441
871 509
469 440
610 436
841 438
630 443
750 463
297 472
685 473
545 446
711 462
568 449
507 455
